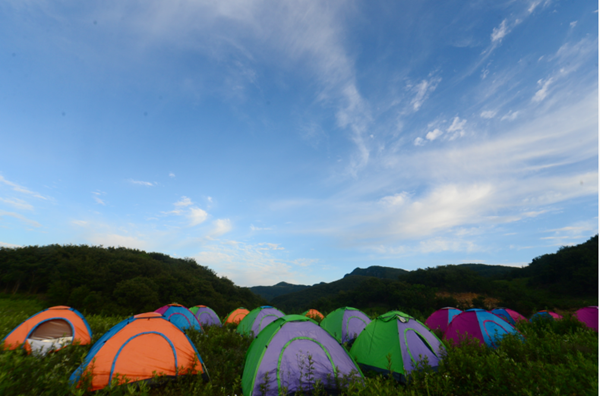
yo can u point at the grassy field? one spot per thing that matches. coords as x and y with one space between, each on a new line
557 358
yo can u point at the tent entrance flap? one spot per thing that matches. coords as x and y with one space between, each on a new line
55 328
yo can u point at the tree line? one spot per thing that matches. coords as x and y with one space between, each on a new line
116 280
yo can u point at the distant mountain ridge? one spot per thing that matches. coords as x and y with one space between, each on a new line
378 272
270 292
279 293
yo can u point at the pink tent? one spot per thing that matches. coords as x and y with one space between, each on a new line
589 316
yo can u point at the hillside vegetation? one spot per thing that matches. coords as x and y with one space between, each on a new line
116 280
565 280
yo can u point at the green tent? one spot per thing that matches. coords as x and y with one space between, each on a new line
396 342
258 319
345 324
293 353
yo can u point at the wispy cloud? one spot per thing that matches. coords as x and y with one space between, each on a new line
543 91
18 188
19 217
253 264
17 203
253 228
565 236
142 183
499 32
488 114
9 245
220 228
422 91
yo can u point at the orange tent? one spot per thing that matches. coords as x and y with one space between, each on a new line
314 314
236 316
50 329
137 349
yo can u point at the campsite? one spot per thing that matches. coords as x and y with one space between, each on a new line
553 353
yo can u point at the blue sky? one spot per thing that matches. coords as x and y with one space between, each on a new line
294 141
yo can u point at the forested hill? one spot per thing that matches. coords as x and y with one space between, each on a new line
270 292
571 270
565 279
378 272
117 280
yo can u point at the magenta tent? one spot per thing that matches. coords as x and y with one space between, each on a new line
589 316
509 315
441 318
480 324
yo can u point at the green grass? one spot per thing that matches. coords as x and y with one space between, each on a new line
557 358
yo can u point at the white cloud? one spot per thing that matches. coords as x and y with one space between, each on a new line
98 200
510 116
457 128
419 142
574 233
141 183
253 265
494 179
542 92
573 24
183 202
197 216
19 217
220 227
422 91
117 240
396 199
171 174
17 203
431 136
20 189
9 245
488 114
499 32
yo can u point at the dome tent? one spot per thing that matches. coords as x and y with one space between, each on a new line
479 324
589 316
258 319
441 318
545 315
345 324
396 342
293 352
509 315
236 316
138 348
314 315
180 316
205 315
50 330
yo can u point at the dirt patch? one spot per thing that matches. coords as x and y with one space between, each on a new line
465 300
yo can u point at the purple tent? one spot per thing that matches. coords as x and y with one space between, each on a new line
205 315
441 318
589 316
293 352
